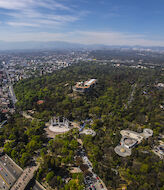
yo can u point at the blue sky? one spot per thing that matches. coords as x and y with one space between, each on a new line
110 22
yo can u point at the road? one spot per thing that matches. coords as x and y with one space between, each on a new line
11 91
11 166
25 178
1 125
93 182
9 172
24 114
12 94
13 177
131 96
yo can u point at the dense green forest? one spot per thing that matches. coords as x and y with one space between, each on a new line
56 164
2 116
111 105
21 138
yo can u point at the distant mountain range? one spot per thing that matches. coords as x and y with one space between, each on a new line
37 45
59 45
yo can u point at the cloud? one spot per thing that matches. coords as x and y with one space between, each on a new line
22 24
14 5
36 19
19 4
51 4
86 37
23 17
35 13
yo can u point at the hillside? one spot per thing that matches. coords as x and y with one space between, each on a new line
112 105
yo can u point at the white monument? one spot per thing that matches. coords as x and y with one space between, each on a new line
59 126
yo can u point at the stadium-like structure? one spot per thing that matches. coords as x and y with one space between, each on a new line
58 125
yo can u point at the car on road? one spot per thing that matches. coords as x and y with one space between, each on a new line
101 185
93 187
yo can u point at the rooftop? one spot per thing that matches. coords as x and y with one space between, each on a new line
86 84
130 139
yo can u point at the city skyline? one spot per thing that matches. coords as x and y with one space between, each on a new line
86 22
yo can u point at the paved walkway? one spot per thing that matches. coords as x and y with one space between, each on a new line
131 96
24 114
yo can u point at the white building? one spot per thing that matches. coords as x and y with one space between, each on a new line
59 126
84 86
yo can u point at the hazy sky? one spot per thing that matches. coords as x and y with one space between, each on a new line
111 22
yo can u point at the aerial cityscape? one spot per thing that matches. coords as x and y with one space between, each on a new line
81 95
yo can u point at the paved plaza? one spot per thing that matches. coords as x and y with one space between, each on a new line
59 126
88 132
130 139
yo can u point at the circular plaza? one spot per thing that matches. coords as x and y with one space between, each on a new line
122 151
59 126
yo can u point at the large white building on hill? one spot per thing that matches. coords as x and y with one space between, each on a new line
84 86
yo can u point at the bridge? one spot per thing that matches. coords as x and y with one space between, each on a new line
25 178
